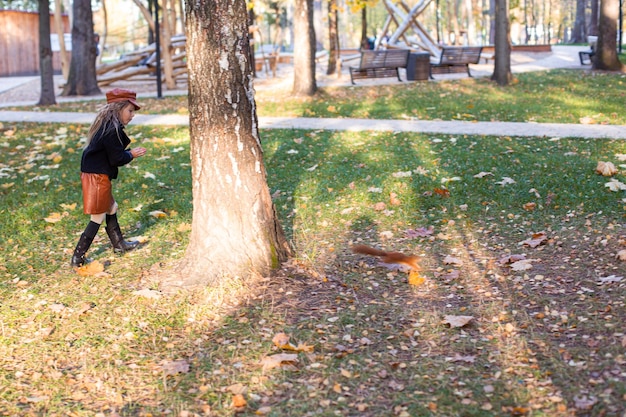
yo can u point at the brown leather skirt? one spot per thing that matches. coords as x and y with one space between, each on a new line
97 193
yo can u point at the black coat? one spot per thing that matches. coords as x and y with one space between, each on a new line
106 152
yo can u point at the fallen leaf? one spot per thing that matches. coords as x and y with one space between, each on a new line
506 181
522 265
393 199
380 206
610 279
415 278
91 268
584 402
148 293
457 321
482 174
451 260
158 214
53 218
536 240
443 192
606 169
174 367
621 255
239 401
529 206
615 185
279 360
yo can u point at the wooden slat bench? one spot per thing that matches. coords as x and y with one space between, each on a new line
455 59
380 64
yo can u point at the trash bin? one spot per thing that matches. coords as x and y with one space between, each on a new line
418 67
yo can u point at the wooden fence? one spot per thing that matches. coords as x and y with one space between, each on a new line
19 43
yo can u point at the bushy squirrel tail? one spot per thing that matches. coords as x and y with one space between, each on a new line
389 257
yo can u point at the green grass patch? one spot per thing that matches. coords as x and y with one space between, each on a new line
556 96
546 339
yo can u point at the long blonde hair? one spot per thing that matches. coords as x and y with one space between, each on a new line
108 115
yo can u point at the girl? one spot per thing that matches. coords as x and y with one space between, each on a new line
104 152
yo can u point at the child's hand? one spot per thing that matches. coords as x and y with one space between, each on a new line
137 152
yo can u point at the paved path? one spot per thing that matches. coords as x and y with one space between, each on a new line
561 57
426 126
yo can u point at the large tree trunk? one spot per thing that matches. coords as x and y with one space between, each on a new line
606 57
502 66
578 34
46 98
304 83
82 76
333 37
235 231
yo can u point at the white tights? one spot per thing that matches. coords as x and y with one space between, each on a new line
99 218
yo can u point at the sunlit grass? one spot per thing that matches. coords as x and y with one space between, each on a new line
87 345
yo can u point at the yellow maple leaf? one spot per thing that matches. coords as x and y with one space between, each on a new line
89 269
53 218
158 214
415 278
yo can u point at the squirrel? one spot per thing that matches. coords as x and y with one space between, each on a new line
389 257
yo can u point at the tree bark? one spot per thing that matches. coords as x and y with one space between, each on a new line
502 65
364 43
578 33
606 57
82 76
47 97
235 231
333 37
304 83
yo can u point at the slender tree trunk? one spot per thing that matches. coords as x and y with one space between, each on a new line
578 33
82 76
60 29
606 57
333 37
593 20
492 22
166 47
364 43
105 32
46 70
235 231
304 83
502 66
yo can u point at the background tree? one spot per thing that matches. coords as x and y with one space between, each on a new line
578 33
46 97
235 231
334 51
593 19
58 23
502 62
82 79
606 57
304 49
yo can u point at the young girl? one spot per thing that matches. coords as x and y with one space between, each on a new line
104 152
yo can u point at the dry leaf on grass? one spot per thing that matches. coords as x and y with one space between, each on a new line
90 269
239 401
536 239
606 169
457 321
415 278
175 367
621 255
288 360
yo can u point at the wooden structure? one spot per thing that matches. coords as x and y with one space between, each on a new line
455 60
380 64
405 20
19 43
140 65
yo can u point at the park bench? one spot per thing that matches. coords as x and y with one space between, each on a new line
455 59
585 56
380 64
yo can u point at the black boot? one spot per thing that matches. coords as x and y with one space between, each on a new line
115 234
78 259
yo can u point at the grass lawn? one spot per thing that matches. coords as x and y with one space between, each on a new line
558 96
519 237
